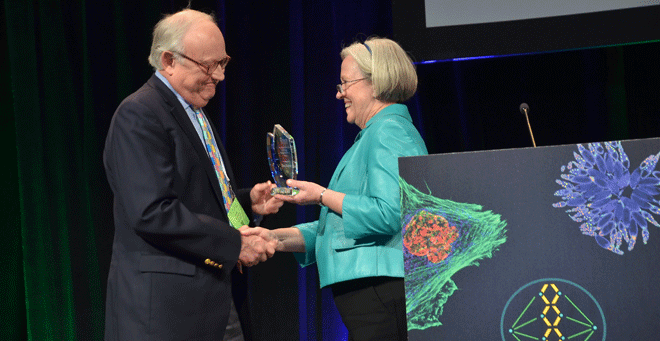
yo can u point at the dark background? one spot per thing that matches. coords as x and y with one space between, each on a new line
68 64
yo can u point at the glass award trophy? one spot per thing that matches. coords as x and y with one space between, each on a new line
282 159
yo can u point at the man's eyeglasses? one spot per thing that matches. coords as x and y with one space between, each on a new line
340 86
207 69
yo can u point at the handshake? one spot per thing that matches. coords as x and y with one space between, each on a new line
257 245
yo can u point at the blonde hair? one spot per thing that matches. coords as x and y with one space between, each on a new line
169 32
387 66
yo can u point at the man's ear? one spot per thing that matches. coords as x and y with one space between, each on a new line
167 60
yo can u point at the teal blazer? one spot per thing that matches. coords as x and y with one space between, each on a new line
365 241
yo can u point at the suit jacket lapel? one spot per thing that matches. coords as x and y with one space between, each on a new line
187 127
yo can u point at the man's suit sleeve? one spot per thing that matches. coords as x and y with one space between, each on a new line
145 172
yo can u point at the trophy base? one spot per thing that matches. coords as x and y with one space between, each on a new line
284 191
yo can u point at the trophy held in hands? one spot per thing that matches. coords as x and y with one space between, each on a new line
282 159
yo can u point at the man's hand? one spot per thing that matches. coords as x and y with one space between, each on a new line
267 235
254 248
262 202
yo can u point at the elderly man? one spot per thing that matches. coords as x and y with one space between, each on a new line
177 213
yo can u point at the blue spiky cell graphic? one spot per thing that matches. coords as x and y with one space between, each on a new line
612 203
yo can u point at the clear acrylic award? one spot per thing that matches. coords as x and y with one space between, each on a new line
283 160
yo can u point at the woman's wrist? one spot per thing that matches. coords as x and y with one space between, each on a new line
321 197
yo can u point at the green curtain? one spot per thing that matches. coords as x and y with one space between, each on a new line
12 298
58 167
57 203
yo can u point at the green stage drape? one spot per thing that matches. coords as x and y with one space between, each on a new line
12 298
58 172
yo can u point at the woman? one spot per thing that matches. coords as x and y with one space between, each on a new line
357 241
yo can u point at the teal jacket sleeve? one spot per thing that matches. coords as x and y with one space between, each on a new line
308 231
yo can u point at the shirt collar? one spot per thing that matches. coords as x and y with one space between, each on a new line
184 104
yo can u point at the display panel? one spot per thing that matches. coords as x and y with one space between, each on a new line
441 29
548 243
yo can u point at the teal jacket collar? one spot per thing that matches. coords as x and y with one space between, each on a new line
395 109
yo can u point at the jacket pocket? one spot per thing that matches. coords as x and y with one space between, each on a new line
335 224
166 264
341 243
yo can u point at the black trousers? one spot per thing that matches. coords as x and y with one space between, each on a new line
372 308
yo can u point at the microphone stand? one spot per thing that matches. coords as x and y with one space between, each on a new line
524 108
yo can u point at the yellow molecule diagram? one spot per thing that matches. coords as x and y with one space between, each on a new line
560 310
548 305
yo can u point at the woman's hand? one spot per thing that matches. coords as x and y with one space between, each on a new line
309 193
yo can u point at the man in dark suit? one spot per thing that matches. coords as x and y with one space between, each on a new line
177 214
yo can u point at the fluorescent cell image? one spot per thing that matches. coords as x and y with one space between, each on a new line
613 204
429 235
440 238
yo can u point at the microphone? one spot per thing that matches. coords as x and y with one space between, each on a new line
524 109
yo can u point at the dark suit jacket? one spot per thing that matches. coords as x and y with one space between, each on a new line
173 248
